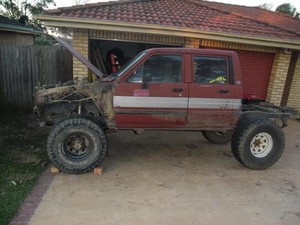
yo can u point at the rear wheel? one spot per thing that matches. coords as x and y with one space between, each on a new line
217 137
76 145
258 143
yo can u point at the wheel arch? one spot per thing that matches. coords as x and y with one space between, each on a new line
59 111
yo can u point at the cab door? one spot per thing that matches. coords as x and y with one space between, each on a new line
212 100
153 94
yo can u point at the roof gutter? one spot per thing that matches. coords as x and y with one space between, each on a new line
83 23
19 29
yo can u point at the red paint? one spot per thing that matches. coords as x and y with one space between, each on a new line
256 69
179 118
114 63
141 92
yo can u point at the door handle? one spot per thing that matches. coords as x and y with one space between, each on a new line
223 91
177 90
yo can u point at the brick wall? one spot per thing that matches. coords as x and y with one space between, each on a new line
278 77
15 39
294 96
81 44
192 43
236 46
289 79
137 37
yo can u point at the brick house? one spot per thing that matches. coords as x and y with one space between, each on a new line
267 42
13 33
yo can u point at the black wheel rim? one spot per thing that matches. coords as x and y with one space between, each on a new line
77 146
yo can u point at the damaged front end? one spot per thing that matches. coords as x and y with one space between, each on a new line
94 99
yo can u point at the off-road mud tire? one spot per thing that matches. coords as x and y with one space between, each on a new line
76 145
268 149
217 137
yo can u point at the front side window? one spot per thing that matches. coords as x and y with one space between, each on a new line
210 70
125 67
159 69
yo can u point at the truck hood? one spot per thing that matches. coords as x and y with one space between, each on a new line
72 92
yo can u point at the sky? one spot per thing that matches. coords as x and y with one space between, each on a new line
275 3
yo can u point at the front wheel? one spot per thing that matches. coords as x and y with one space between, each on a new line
258 143
76 145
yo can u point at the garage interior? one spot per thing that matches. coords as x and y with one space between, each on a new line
101 50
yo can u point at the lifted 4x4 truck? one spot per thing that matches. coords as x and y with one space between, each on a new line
161 89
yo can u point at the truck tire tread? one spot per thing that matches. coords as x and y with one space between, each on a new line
88 131
246 131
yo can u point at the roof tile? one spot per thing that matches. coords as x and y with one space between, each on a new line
193 14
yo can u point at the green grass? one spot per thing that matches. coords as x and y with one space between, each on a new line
22 160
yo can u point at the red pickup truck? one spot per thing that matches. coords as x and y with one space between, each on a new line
161 89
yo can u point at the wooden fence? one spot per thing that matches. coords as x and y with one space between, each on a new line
22 68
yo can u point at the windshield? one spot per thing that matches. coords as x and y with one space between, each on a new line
128 65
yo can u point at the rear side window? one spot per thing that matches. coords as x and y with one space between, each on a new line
159 69
210 70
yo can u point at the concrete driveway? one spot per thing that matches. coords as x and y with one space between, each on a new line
176 178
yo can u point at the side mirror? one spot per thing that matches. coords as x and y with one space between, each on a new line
146 79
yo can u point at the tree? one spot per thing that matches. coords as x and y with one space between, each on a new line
24 11
14 9
10 9
79 2
267 6
288 9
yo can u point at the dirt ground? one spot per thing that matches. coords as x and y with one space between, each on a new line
176 178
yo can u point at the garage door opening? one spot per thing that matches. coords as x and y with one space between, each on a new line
110 55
